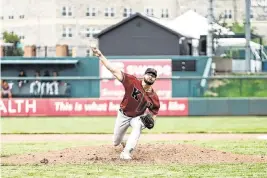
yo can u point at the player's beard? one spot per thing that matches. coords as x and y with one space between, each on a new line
148 82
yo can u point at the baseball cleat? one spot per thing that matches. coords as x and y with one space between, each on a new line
125 156
123 144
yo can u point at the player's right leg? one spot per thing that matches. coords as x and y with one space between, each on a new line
132 141
122 123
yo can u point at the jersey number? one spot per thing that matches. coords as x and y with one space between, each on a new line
142 105
135 93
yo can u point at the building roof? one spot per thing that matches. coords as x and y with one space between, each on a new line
190 25
195 25
158 22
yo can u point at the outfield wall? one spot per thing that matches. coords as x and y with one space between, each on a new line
227 106
104 107
167 67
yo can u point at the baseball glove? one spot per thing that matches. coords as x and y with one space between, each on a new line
148 121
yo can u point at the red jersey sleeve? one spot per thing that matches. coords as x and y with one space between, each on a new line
155 106
127 79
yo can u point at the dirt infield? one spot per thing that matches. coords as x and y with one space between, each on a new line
108 137
144 153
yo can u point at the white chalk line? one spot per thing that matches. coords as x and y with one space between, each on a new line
263 137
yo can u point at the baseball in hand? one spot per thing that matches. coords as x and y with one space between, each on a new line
93 45
96 52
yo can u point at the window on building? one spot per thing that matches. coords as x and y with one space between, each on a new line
21 37
87 33
90 12
149 11
2 18
67 32
164 13
109 12
90 32
11 17
228 14
70 32
64 32
127 12
21 16
69 11
225 14
66 11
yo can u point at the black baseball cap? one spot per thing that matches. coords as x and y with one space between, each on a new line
151 71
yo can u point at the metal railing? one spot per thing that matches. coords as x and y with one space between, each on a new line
185 86
160 78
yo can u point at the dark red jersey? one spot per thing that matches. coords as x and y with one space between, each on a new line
136 100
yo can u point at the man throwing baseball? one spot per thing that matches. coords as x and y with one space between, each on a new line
138 98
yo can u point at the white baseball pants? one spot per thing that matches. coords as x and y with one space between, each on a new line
121 125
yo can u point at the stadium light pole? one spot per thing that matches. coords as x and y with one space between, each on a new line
248 34
1 32
210 29
76 31
1 24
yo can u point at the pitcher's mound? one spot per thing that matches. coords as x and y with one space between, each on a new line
144 153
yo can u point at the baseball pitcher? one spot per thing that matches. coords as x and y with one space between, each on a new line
138 98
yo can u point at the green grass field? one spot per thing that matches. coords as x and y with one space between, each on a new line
163 125
121 171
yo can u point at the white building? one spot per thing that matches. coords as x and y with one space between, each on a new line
73 22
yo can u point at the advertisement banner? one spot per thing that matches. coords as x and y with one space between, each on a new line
81 107
111 87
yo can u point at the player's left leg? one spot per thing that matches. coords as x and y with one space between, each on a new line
121 125
137 127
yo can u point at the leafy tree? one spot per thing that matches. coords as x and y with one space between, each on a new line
13 50
240 28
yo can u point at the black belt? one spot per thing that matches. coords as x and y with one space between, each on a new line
123 112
